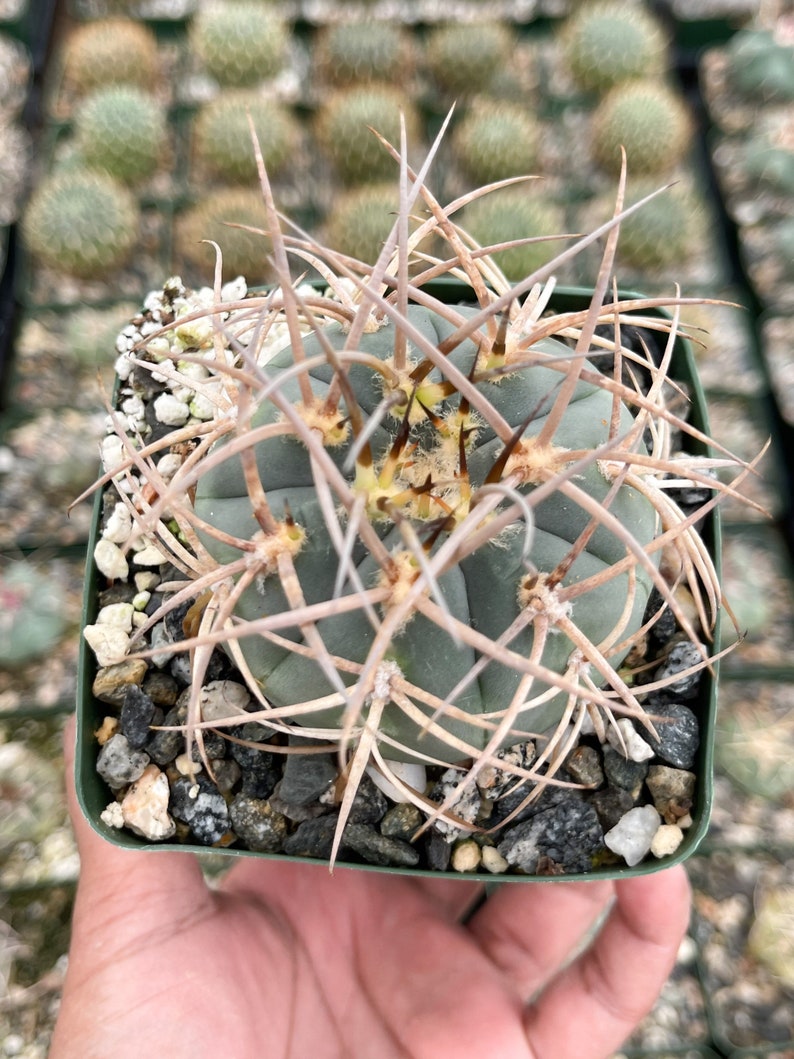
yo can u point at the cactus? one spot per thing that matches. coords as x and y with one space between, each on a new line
214 218
110 51
354 52
239 42
82 223
361 219
769 165
515 213
664 232
495 140
463 58
649 120
607 42
32 614
344 130
761 67
222 136
122 130
421 530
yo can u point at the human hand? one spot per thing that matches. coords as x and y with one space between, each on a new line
286 960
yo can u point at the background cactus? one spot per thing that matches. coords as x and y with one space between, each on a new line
110 51
464 58
32 614
82 223
239 42
222 136
213 218
343 133
664 232
760 67
122 130
649 120
360 219
516 213
494 140
611 41
353 52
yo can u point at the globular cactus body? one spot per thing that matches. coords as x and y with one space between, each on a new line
495 140
226 216
516 213
110 51
488 590
351 53
761 67
239 42
606 43
360 220
222 136
82 223
464 58
646 118
122 130
344 130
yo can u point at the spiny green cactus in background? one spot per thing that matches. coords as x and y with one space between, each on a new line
761 67
110 51
494 140
607 42
648 119
239 42
81 222
360 220
344 130
351 52
222 136
122 129
214 217
32 613
516 213
769 164
664 232
463 58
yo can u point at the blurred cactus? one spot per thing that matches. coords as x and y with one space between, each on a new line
496 140
515 213
664 232
122 129
239 42
222 136
605 43
110 51
361 219
464 58
82 223
761 67
649 120
32 614
350 53
344 125
214 218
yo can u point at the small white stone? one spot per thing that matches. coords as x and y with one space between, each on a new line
112 453
116 614
632 835
202 408
109 643
159 638
119 525
493 861
466 856
169 464
186 766
112 815
110 561
410 773
636 749
223 698
171 411
145 806
148 556
139 619
146 580
140 599
236 289
666 840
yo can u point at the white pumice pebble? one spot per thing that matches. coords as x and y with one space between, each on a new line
170 410
169 464
636 749
148 556
110 561
109 643
112 453
410 773
119 525
118 614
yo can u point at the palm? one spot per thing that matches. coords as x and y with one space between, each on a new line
286 960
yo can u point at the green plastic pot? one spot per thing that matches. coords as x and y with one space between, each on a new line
94 795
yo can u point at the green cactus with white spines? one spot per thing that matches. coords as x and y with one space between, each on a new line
222 136
494 140
218 216
82 223
464 58
344 130
110 51
611 41
663 233
649 120
431 528
761 67
239 42
354 52
122 129
516 213
360 219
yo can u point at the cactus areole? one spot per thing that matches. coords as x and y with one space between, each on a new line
478 464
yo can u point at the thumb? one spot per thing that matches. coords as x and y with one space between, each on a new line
110 872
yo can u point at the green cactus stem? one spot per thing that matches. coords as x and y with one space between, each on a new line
495 140
122 130
606 43
110 51
649 120
222 136
239 42
82 223
464 58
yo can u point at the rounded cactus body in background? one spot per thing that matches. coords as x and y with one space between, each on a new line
122 130
608 42
222 136
240 42
110 51
344 130
649 120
